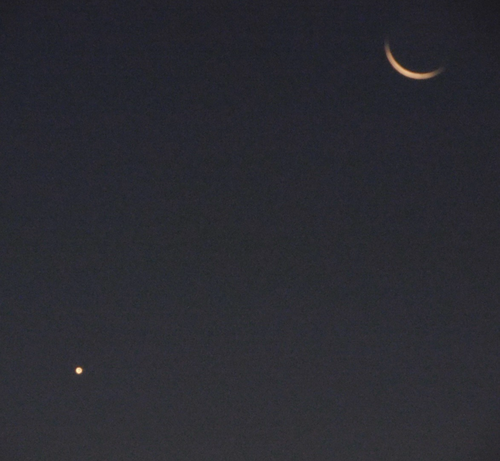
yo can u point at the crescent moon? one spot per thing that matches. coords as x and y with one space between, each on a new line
408 73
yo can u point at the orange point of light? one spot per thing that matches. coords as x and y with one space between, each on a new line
78 370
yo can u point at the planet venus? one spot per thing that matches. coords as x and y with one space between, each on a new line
408 73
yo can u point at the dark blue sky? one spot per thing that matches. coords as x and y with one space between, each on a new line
258 239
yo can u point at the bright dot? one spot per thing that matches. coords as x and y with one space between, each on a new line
78 370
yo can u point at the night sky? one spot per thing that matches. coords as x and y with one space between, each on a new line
258 239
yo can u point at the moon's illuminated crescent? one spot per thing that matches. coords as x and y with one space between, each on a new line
408 73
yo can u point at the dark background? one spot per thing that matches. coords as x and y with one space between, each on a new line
258 239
